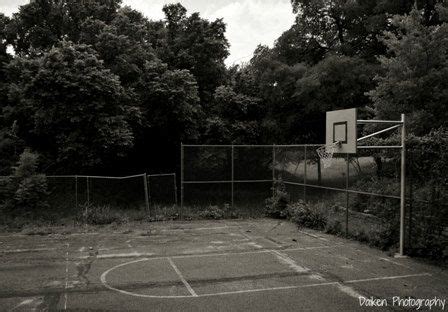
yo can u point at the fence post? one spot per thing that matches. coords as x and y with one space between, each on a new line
146 190
181 179
88 195
76 192
175 188
347 180
273 170
232 175
304 176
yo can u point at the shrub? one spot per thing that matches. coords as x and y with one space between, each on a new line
334 228
384 238
303 215
97 215
277 205
213 213
27 189
31 194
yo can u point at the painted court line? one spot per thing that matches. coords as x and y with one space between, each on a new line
396 263
284 258
197 229
184 281
265 289
312 235
211 254
341 285
386 278
133 254
66 277
26 250
348 291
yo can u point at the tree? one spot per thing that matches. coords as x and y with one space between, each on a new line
352 27
337 82
170 102
235 118
198 45
41 24
414 76
70 107
4 56
122 44
297 46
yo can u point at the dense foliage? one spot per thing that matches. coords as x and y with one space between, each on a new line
95 86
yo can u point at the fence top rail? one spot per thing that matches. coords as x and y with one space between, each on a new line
161 174
287 145
96 177
101 177
249 145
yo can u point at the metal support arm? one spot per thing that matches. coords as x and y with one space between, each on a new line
379 132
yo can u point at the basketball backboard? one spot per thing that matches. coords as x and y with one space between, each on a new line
341 127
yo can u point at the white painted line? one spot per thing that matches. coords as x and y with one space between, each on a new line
184 281
86 233
386 278
293 265
349 291
26 250
124 255
340 285
312 235
394 262
197 229
24 302
289 261
272 241
266 289
210 254
66 277
104 282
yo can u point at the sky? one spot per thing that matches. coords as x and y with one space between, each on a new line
249 22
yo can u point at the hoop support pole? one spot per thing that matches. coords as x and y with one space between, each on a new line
402 183
181 179
232 173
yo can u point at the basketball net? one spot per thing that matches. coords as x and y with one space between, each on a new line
326 153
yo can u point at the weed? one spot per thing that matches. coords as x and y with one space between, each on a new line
212 212
276 206
305 215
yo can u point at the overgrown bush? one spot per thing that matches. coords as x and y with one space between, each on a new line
27 189
212 213
98 215
334 228
378 206
305 215
276 206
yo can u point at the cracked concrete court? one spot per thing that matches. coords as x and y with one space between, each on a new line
233 265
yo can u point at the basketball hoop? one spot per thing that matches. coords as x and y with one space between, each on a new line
326 153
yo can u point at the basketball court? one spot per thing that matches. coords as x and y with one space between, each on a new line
251 265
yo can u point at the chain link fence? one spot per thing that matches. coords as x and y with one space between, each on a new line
359 195
102 198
